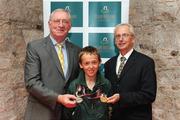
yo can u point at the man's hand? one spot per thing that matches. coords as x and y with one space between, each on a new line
67 100
113 99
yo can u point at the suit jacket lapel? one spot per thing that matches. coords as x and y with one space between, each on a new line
128 64
52 52
114 64
70 59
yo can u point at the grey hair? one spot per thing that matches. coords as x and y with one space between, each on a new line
131 28
59 10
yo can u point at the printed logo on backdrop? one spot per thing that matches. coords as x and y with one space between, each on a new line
67 8
104 42
104 14
75 9
105 10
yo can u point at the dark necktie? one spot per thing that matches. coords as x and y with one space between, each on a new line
123 59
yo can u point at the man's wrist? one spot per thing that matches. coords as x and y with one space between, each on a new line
59 98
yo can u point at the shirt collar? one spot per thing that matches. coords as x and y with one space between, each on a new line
55 42
126 55
82 80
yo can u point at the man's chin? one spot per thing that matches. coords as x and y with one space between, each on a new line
61 35
121 47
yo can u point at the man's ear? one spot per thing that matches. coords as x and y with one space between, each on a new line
70 25
80 65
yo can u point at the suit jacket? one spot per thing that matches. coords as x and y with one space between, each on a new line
136 86
44 78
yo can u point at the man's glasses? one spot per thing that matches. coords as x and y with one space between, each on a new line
64 21
123 36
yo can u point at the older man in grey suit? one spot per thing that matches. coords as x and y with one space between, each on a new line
46 77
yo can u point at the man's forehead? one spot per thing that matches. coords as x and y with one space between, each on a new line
122 29
60 14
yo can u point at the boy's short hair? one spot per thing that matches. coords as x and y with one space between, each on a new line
89 50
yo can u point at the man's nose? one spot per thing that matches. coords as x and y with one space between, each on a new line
60 23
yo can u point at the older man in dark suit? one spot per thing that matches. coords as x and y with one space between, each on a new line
133 78
49 69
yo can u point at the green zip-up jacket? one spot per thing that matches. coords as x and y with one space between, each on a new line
91 108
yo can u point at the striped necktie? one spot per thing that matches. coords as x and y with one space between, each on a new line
60 55
123 59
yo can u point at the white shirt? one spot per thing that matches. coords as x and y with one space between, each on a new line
64 53
119 61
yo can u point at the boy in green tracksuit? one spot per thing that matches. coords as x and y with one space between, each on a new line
90 88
